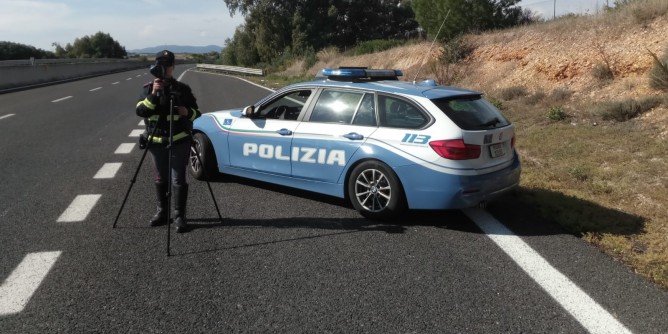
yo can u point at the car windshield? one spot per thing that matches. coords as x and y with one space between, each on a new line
471 112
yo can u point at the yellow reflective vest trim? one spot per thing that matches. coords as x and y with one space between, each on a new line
155 118
146 103
176 137
195 113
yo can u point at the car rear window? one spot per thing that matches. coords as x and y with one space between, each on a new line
471 112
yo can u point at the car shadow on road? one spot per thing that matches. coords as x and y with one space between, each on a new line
526 212
534 212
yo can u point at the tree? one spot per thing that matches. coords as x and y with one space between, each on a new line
279 27
467 16
100 45
240 49
15 51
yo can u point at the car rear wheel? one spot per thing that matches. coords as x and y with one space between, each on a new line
203 166
375 191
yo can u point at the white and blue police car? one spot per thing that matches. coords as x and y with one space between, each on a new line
386 145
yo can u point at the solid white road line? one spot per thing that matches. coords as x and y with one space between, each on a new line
79 209
136 133
108 170
125 148
582 307
61 99
6 116
18 288
94 89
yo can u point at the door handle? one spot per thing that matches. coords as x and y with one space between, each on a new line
284 132
354 136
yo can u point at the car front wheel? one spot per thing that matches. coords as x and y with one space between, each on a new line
203 166
375 191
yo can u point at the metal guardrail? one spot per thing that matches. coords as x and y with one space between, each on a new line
230 69
33 62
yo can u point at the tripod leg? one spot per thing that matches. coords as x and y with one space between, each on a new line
214 201
206 177
132 182
169 174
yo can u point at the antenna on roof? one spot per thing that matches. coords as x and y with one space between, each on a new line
432 45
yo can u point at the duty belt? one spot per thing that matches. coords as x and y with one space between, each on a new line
161 140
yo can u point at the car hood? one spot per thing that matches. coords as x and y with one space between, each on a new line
236 113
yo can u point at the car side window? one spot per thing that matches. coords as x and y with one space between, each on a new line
398 113
287 106
336 106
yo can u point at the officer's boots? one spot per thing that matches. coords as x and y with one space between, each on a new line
160 217
180 200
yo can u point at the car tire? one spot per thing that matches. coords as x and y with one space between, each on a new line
375 191
203 167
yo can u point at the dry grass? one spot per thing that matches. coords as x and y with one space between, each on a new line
603 178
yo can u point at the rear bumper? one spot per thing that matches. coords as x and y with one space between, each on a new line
428 189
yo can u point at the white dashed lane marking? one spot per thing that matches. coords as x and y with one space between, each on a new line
108 170
18 288
94 89
125 148
115 83
136 133
582 307
79 209
6 116
62 99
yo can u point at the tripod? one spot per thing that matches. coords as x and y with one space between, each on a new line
168 195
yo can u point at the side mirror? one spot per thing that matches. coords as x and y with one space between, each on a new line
248 111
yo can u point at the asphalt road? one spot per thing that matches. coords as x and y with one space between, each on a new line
282 261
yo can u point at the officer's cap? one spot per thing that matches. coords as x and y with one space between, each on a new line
165 57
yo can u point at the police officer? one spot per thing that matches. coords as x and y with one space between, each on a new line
153 106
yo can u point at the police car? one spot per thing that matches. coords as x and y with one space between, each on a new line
385 145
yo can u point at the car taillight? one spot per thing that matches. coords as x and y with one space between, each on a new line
455 149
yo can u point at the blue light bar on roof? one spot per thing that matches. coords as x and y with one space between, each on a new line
360 73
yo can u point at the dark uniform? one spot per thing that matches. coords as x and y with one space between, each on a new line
154 107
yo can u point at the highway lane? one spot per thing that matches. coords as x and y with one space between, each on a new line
282 260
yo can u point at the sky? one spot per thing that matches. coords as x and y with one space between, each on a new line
138 24
135 24
549 8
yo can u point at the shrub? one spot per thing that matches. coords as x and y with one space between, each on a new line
659 74
327 54
310 59
622 111
580 173
536 97
456 49
511 93
560 95
602 72
447 73
557 114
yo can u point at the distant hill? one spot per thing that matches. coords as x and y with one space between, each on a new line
178 49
